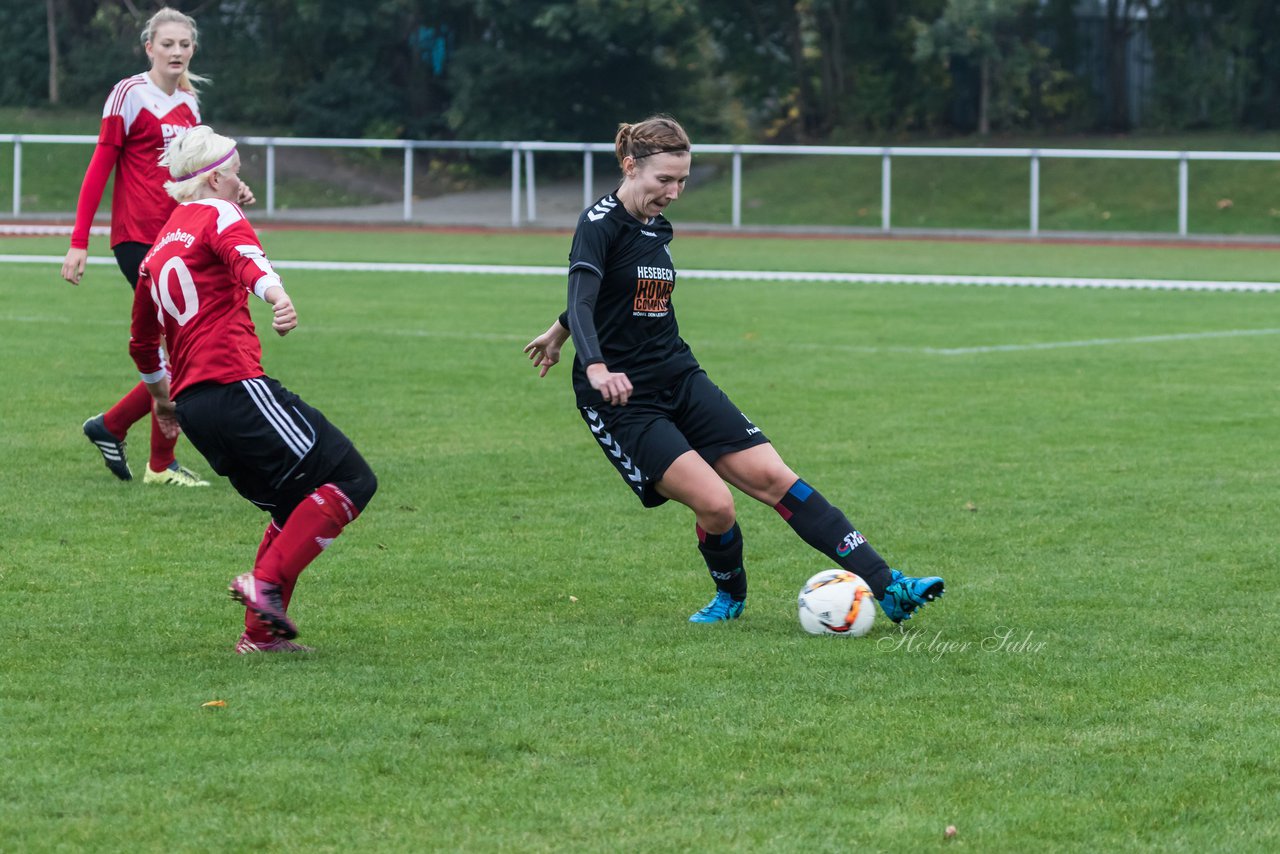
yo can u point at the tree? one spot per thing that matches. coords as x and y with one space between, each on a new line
1258 26
881 87
52 33
802 69
996 37
760 53
1217 63
24 81
557 70
1120 17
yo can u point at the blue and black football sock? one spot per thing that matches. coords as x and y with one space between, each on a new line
723 554
829 531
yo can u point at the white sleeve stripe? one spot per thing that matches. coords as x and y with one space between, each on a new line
119 92
155 376
260 288
125 104
228 214
269 276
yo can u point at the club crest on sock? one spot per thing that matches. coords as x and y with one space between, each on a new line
851 541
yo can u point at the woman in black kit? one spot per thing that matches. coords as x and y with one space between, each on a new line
666 427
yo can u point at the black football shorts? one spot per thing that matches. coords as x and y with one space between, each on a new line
273 447
129 257
643 438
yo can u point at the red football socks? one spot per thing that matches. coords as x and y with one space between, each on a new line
285 552
312 526
253 627
132 408
161 446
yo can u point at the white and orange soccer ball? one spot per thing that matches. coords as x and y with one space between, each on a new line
837 602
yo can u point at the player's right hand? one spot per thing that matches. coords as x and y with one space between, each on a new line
284 317
73 265
614 388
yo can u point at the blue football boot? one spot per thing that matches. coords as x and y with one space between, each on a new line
905 594
723 607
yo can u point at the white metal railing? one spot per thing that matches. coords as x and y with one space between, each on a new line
523 181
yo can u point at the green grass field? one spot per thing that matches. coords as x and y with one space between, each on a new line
504 661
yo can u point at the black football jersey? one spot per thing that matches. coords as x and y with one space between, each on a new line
634 314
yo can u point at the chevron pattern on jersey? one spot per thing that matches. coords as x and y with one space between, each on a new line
611 447
602 208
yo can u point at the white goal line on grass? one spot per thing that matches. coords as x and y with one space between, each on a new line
746 275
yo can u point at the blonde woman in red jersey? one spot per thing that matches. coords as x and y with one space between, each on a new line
142 115
279 453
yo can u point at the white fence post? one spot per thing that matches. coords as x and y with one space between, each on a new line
886 190
515 186
1182 193
271 178
530 187
1035 192
17 175
736 216
588 177
408 181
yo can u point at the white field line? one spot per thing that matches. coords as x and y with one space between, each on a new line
1097 342
1040 345
747 275
50 230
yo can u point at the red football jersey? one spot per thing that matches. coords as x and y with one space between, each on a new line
140 119
194 290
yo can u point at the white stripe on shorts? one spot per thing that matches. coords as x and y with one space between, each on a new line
271 409
629 470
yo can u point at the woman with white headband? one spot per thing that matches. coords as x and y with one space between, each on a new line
278 452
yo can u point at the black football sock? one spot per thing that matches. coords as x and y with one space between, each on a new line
723 554
829 531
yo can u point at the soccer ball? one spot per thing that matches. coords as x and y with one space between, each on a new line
837 602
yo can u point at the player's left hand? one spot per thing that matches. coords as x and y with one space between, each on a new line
284 317
167 418
245 196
